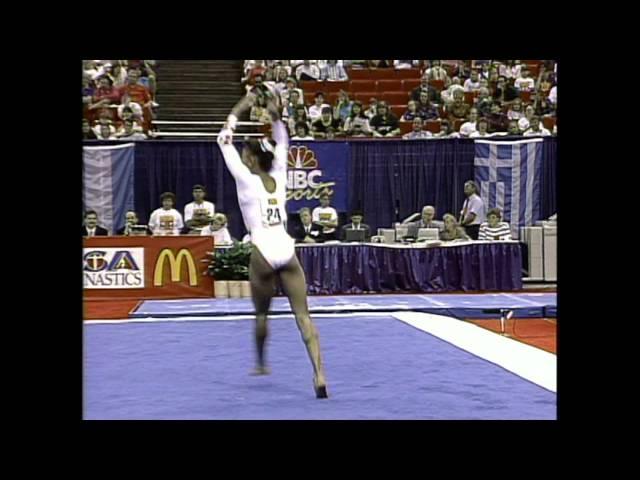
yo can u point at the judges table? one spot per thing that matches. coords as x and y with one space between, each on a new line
341 268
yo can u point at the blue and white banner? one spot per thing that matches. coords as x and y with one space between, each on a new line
108 183
315 168
508 174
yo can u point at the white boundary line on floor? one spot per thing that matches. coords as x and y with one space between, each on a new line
530 363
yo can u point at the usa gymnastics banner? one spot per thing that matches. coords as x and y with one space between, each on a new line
315 168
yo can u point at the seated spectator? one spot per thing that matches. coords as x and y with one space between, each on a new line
504 91
458 109
332 132
333 72
199 205
485 71
541 105
515 111
105 132
472 84
131 220
446 131
523 123
417 133
553 96
356 224
307 231
166 220
404 64
282 66
301 130
426 109
299 115
316 110
468 127
411 113
437 72
105 117
325 122
91 227
513 129
87 89
535 129
129 133
105 94
291 85
483 102
307 72
90 68
291 104
493 229
427 220
133 112
372 109
133 91
545 80
259 112
280 82
87 133
493 75
357 119
342 110
498 121
447 95
385 123
119 74
510 69
326 217
483 129
524 82
452 231
218 230
424 86
357 131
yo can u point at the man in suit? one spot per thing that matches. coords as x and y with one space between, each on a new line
90 227
356 224
427 220
307 231
131 218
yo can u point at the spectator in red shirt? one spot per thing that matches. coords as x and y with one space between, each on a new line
133 91
105 94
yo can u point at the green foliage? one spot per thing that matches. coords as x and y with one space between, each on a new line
231 263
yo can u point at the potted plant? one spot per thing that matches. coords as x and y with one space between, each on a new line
230 269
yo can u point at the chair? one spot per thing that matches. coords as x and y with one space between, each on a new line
395 98
362 85
389 85
408 84
432 125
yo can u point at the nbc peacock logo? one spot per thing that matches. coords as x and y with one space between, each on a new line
303 175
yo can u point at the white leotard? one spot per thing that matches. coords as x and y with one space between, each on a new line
264 213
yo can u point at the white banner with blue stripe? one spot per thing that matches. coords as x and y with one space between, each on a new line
508 174
108 183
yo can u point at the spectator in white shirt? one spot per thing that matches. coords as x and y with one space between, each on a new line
523 123
493 229
105 132
128 132
417 133
199 204
446 131
403 64
291 85
515 111
447 95
472 84
306 71
166 220
358 119
315 111
524 83
513 129
482 131
372 109
300 114
485 71
472 213
468 127
327 217
218 230
553 95
333 72
535 129
510 69
437 72
302 132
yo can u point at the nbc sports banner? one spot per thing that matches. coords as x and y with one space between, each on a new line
508 174
315 168
108 183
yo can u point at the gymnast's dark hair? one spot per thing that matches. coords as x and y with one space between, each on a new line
265 157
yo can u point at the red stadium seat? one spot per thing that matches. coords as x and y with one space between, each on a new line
362 85
405 127
309 98
381 73
525 97
395 98
469 97
331 98
358 73
408 84
336 86
407 73
432 126
398 110
389 85
365 96
311 86
549 122
437 84
457 123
